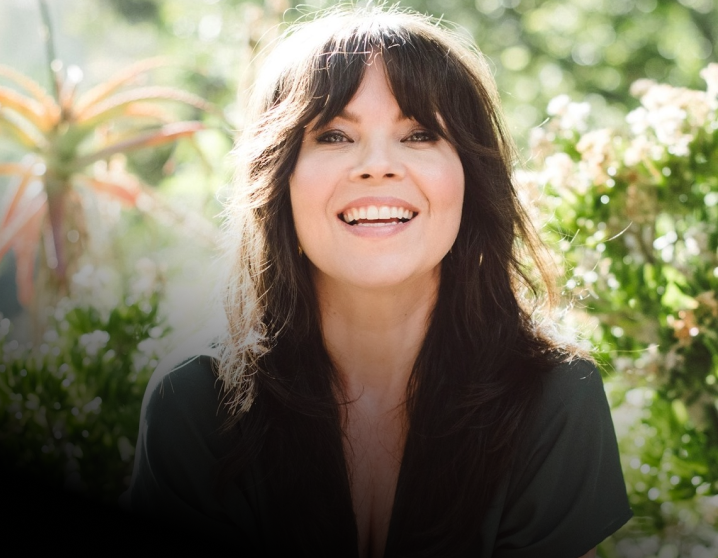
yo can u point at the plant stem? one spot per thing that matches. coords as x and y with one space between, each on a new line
49 39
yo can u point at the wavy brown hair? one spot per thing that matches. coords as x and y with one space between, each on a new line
478 370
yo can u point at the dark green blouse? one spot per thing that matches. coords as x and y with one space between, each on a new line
565 495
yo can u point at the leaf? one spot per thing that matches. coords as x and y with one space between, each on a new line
28 108
13 168
675 299
17 196
34 88
126 191
679 411
19 130
25 247
115 105
165 134
121 78
17 226
150 111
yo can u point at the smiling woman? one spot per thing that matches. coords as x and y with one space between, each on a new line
383 387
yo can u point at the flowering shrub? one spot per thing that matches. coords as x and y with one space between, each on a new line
70 404
634 212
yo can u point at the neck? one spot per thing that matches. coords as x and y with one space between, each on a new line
374 335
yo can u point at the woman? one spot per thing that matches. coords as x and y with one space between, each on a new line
383 388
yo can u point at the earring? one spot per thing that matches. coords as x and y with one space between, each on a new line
299 249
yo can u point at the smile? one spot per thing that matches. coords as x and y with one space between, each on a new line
373 215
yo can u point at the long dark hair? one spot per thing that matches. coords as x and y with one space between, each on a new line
479 368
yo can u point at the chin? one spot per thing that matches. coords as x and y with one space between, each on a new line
373 277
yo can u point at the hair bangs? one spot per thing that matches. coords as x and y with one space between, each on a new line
340 66
418 92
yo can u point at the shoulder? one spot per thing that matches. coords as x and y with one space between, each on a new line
182 444
184 383
571 388
190 380
565 491
182 415
570 412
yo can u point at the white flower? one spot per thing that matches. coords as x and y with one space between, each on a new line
95 285
638 121
710 75
558 105
696 239
641 149
559 171
642 86
572 116
668 124
596 143
147 278
541 142
93 342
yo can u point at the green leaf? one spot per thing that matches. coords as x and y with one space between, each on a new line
676 300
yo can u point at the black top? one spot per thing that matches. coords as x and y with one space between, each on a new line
565 495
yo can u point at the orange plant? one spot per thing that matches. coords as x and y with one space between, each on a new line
65 135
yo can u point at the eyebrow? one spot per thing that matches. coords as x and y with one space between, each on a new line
348 115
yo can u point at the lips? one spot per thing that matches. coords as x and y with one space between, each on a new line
374 215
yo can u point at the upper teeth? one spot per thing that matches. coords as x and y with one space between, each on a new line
373 212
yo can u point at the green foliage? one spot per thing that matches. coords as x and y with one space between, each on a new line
70 405
635 213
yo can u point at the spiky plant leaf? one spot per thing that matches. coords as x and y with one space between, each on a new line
28 108
25 245
126 191
120 79
35 89
21 131
165 134
16 226
114 106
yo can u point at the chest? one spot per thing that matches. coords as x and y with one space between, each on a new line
373 449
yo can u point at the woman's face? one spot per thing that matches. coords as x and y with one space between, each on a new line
376 198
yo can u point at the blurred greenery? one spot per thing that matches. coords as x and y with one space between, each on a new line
71 403
627 177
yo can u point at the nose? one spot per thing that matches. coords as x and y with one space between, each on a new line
378 160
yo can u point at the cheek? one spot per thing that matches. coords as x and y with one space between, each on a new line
301 208
450 194
309 203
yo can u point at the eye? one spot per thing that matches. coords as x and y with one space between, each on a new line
333 136
421 135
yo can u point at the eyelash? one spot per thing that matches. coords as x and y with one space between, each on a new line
419 136
426 136
333 136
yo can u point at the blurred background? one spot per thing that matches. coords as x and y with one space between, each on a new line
113 163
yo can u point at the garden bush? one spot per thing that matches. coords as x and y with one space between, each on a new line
70 402
634 215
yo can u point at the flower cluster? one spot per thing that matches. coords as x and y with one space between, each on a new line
634 213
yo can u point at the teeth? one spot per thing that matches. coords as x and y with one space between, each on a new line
372 213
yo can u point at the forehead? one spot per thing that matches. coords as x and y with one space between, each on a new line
374 90
346 85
